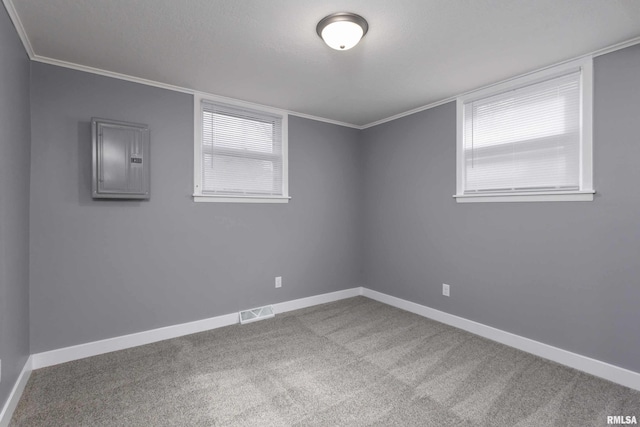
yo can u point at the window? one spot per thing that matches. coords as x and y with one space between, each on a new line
528 139
240 153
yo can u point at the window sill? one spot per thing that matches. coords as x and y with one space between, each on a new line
240 199
569 196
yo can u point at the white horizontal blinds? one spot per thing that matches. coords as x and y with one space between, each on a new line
526 139
241 151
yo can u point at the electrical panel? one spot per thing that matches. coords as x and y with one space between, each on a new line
120 160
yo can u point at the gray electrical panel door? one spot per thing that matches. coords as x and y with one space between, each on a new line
120 160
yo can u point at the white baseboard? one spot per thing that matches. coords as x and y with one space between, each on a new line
16 393
591 366
297 304
80 351
67 354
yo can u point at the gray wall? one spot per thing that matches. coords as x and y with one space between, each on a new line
101 269
14 205
381 216
566 274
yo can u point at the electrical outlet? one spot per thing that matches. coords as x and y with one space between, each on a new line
278 282
445 289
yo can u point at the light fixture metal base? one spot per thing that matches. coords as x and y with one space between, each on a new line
342 16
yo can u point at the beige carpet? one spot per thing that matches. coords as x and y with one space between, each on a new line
354 362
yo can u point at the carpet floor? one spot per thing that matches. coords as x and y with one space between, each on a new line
354 362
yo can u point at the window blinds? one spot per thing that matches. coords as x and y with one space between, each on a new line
526 139
241 151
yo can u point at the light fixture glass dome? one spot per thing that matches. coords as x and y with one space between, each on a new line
342 31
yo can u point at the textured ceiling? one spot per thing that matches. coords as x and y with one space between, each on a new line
416 52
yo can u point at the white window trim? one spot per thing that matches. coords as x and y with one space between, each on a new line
197 152
586 192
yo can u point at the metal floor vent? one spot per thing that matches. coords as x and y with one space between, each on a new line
255 314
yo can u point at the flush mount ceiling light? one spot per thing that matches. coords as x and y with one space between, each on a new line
343 30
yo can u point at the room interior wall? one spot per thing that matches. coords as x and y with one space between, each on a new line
102 269
371 208
563 273
14 205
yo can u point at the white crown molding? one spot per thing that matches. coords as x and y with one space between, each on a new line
613 48
594 54
582 363
13 14
322 119
16 393
101 72
133 79
33 56
410 112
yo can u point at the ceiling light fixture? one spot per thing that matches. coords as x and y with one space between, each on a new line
343 30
